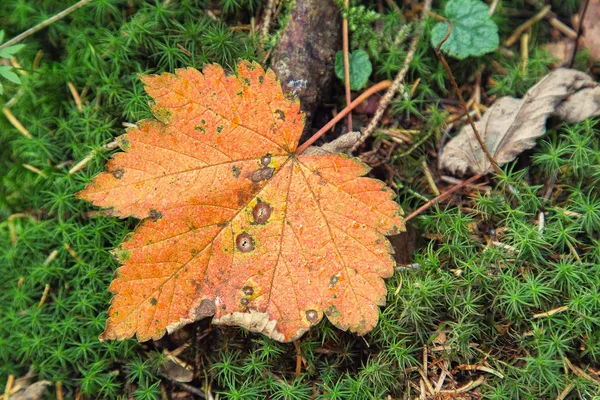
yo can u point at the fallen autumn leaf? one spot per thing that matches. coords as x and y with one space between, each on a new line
236 224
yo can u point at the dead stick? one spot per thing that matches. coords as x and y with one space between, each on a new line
346 64
442 197
44 24
579 32
267 19
365 95
298 358
462 100
16 123
44 295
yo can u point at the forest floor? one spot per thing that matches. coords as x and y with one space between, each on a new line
496 292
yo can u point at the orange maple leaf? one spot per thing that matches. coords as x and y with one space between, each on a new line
235 223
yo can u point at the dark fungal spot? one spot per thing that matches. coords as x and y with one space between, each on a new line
248 290
235 171
200 129
118 173
261 79
220 128
155 215
245 81
312 316
244 301
153 301
280 114
261 212
265 160
194 252
262 174
244 242
222 224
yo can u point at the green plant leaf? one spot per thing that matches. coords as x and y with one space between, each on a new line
10 51
6 72
360 68
473 31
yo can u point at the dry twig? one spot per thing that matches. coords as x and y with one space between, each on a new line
267 19
389 94
525 26
44 24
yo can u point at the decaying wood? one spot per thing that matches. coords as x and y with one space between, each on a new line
305 55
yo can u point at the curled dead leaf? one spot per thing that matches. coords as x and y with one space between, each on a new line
511 126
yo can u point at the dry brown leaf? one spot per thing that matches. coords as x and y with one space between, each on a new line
24 389
512 126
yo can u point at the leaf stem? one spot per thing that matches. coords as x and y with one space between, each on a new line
365 95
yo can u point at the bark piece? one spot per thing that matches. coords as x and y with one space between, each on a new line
304 58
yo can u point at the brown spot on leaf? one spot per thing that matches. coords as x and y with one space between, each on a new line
162 114
222 224
332 311
205 309
244 242
155 215
261 79
334 280
280 114
123 142
262 174
118 173
220 128
243 197
248 290
153 301
235 171
265 160
244 301
312 316
261 212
